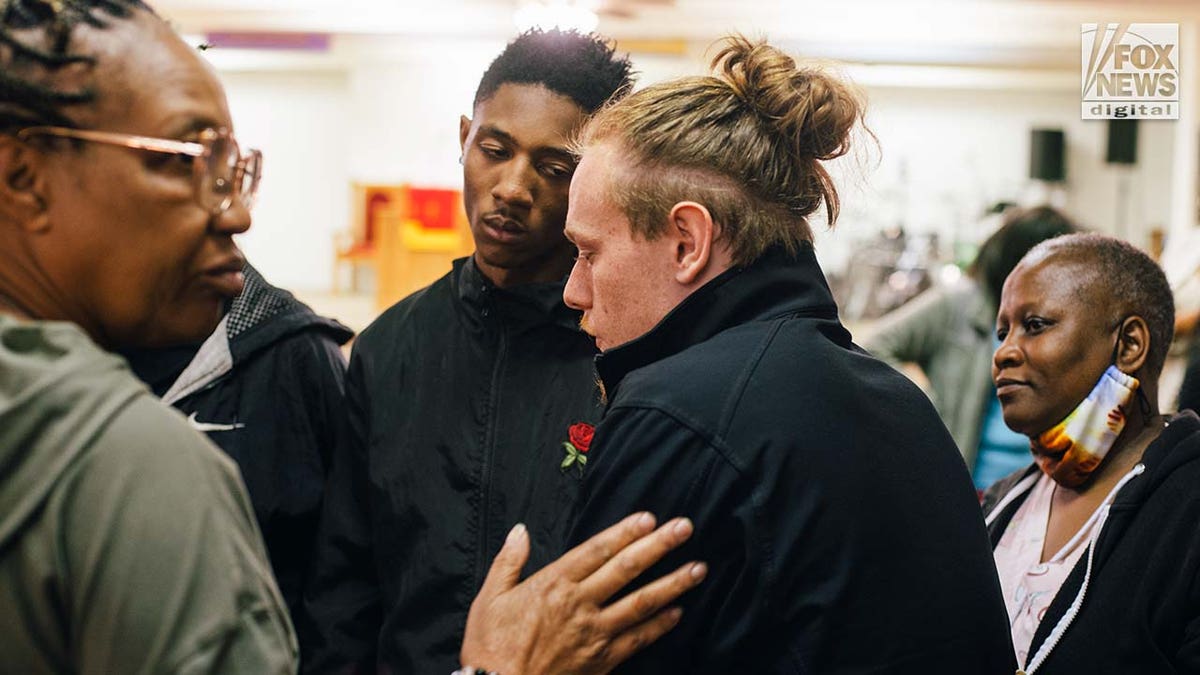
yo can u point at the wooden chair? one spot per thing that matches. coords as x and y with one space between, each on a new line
373 204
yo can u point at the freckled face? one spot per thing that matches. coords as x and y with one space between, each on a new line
1056 342
622 283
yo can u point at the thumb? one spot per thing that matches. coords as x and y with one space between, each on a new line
506 568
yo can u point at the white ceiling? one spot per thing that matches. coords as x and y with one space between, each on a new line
992 33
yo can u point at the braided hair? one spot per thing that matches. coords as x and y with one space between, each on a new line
35 38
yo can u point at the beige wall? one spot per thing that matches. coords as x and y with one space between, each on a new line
380 110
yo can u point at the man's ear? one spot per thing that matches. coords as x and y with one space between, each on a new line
1133 346
693 231
464 129
22 185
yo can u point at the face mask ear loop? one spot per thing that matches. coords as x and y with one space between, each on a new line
1117 346
1143 403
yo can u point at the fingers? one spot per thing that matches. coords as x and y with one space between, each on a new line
625 565
506 568
586 558
637 638
645 602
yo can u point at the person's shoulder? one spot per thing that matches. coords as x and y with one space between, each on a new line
1184 427
164 473
40 355
686 378
148 459
704 374
692 389
155 441
59 392
155 435
642 439
154 515
308 349
420 310
1173 460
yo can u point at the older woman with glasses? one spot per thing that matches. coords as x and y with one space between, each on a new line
1097 543
127 542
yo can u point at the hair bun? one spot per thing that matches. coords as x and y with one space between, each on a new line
808 107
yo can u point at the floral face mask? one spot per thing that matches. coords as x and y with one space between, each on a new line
1071 450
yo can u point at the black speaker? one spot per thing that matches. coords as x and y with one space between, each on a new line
1047 156
1122 142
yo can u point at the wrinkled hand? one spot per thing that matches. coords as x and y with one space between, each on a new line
556 622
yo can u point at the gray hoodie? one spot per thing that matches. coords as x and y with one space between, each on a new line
127 542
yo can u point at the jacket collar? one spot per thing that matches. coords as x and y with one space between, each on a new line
777 284
264 314
526 305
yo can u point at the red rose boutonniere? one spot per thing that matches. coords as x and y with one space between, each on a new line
580 435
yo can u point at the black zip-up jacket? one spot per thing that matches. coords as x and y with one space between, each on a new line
267 389
1139 608
459 399
839 523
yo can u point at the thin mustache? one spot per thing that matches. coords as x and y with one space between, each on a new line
506 216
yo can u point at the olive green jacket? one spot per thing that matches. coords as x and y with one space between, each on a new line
948 333
127 542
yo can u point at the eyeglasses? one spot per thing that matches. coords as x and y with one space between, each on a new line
219 170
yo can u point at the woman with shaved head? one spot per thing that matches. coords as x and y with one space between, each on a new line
1097 543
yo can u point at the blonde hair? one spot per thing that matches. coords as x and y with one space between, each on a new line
747 142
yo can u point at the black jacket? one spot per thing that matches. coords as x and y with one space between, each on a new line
836 515
1139 610
267 389
460 398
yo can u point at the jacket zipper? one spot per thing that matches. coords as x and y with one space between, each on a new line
485 474
1064 623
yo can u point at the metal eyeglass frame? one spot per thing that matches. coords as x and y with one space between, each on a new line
199 151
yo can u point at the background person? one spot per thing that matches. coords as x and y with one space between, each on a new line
1096 542
948 333
828 497
462 396
267 388
127 542
1180 261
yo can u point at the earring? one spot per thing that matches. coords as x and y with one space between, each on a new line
460 159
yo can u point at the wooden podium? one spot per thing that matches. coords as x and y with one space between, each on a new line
418 232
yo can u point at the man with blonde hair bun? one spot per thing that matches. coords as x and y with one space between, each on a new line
838 520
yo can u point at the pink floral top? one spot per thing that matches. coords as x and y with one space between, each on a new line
1029 584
